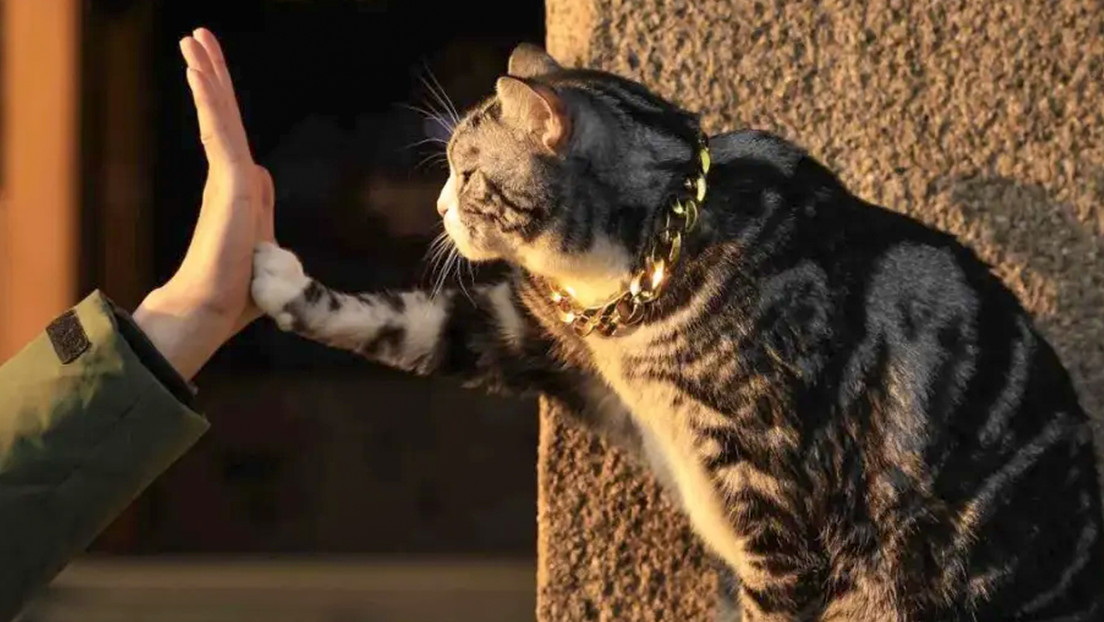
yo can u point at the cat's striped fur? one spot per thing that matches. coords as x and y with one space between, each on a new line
861 422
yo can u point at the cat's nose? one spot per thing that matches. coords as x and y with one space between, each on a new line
447 197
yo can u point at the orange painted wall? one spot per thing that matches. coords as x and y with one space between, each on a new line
39 183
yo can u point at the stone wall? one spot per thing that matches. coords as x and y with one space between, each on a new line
984 119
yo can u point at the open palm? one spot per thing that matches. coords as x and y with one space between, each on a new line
237 200
207 301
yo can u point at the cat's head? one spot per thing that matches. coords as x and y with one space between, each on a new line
563 172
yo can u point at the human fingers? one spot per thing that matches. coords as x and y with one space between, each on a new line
211 45
219 148
220 107
266 194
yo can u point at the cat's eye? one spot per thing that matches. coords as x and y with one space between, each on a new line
465 176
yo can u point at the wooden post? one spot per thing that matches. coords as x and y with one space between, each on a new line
39 217
117 159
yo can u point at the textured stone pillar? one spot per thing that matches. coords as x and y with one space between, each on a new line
984 119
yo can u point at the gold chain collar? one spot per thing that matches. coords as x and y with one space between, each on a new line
628 306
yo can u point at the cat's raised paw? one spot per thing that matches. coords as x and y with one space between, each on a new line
278 279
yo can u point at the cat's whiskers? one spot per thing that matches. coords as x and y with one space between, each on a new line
452 266
433 158
442 249
443 255
441 111
447 124
434 257
440 95
438 251
431 139
471 272
461 260
440 267
440 278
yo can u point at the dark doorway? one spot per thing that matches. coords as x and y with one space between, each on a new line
311 450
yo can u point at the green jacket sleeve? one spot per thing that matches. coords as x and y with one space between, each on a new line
87 421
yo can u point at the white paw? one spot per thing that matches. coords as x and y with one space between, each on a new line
278 279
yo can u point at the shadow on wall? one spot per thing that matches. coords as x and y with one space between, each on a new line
1003 220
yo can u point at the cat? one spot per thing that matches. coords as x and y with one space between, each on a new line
860 421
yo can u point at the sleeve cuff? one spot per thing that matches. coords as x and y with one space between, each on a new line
148 354
85 427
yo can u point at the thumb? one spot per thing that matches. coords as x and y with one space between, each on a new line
266 207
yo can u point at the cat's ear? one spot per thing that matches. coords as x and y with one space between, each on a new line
529 61
535 108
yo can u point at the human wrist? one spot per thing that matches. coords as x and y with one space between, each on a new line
185 331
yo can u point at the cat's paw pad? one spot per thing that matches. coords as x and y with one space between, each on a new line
278 279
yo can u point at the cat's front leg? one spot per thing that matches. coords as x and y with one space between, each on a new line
589 401
485 338
727 608
450 333
404 330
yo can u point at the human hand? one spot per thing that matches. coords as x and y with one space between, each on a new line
207 301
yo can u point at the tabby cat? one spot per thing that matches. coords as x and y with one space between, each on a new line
860 421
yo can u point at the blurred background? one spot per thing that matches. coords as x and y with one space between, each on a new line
328 488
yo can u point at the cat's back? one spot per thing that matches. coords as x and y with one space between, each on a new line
978 457
932 400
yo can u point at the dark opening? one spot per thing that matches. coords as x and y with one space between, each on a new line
314 450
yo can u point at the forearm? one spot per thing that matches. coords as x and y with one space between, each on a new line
186 333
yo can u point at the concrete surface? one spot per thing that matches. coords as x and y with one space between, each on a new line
984 119
289 589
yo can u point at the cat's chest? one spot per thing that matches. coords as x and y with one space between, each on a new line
646 368
636 374
670 422
642 369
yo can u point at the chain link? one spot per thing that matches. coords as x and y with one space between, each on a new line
627 308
